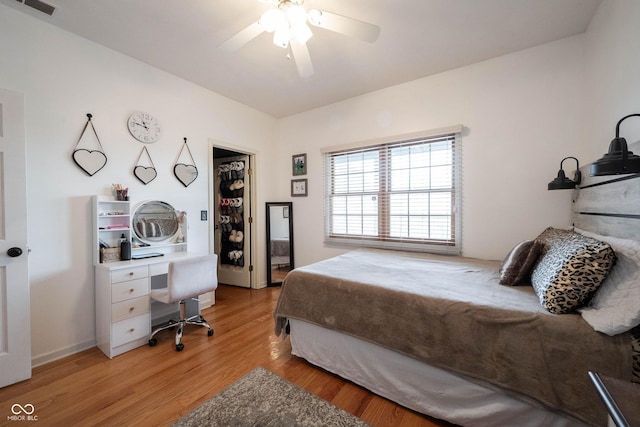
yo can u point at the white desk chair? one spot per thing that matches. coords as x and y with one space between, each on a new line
186 279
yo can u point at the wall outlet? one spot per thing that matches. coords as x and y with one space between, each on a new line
203 215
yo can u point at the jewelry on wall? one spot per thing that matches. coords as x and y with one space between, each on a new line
186 173
145 174
90 161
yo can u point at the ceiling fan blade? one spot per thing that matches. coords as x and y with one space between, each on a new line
348 26
302 58
238 40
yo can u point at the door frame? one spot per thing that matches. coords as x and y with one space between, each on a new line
253 277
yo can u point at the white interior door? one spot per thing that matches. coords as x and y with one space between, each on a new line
15 320
232 216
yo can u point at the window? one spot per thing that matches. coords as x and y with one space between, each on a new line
399 194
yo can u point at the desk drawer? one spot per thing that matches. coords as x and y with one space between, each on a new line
129 274
130 308
158 269
128 290
129 330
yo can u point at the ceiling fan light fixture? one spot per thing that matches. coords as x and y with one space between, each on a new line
315 17
272 20
290 23
296 15
281 37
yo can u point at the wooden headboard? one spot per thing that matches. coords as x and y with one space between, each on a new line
608 205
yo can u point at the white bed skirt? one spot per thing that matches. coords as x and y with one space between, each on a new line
418 386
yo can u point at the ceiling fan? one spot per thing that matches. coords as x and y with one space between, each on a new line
288 19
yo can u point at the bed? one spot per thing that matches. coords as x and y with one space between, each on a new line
280 252
469 349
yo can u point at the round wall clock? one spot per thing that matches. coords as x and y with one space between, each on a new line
144 127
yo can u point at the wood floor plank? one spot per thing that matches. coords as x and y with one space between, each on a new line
384 411
155 386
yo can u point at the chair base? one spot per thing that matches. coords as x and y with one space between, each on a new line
197 320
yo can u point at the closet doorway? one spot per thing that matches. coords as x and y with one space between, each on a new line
231 222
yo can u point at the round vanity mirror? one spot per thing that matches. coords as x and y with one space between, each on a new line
155 222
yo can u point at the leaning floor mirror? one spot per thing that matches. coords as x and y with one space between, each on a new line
279 241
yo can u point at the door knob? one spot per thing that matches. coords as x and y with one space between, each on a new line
14 252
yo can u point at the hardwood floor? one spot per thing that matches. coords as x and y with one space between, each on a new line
278 273
154 386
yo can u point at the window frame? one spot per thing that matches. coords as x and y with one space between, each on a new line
449 246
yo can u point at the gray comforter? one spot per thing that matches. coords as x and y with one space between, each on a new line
452 313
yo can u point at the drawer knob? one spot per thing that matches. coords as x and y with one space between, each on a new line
131 309
131 290
131 273
131 330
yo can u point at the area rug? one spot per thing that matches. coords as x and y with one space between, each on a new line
261 398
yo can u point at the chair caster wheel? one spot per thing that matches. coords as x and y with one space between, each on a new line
153 342
210 332
179 347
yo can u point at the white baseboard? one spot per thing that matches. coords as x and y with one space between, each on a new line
59 354
207 300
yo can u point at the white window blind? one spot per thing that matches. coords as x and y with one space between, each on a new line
402 194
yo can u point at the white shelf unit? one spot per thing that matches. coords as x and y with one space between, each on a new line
164 248
124 310
112 219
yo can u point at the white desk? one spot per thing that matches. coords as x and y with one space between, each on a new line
124 313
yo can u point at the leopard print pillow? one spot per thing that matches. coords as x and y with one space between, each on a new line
570 270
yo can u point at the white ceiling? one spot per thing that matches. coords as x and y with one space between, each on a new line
418 38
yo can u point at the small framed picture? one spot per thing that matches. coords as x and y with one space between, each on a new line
298 187
285 212
299 164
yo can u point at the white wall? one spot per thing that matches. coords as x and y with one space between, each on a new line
522 114
279 225
613 74
64 77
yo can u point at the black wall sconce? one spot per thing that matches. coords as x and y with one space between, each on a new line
619 160
562 182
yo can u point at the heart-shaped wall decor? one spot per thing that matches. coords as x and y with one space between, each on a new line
145 174
186 174
90 161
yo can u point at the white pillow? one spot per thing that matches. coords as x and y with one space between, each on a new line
615 308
